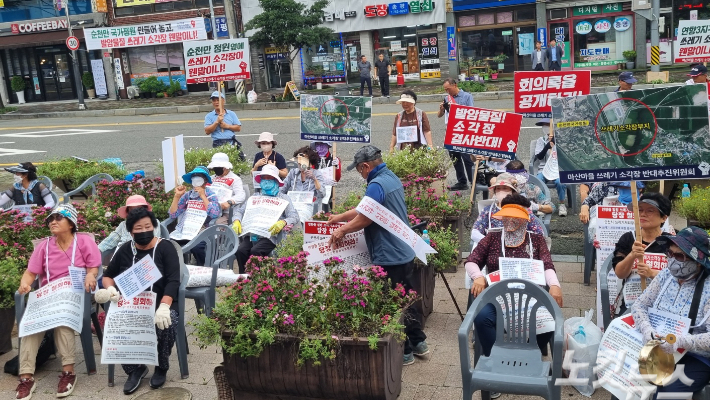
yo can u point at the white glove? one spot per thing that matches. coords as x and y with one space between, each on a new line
162 316
104 295
336 162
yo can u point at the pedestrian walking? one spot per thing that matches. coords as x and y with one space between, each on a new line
538 57
365 69
221 123
554 55
384 69
463 165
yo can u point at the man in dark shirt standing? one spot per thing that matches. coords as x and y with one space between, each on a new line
384 69
365 69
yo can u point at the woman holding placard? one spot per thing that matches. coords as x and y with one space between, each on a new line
26 189
307 177
411 125
141 223
51 260
267 155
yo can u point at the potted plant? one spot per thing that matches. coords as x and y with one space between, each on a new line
464 69
695 208
173 89
500 60
421 162
493 73
17 83
286 326
88 80
11 268
630 56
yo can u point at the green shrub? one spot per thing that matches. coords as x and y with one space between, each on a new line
446 243
173 88
196 156
151 84
696 206
11 270
88 80
421 162
471 86
291 245
77 171
17 83
630 55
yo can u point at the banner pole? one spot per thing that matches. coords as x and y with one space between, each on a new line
221 105
662 187
332 189
175 166
473 184
637 223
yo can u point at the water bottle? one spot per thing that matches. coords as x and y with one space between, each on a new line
425 236
579 336
685 193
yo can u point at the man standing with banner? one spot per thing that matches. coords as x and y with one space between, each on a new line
392 245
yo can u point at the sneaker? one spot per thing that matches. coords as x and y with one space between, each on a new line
67 383
158 379
459 186
563 210
408 359
25 388
134 379
420 349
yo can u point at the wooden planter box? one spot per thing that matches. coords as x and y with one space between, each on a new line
357 373
424 282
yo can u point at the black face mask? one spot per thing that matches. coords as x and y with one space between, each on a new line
218 171
143 238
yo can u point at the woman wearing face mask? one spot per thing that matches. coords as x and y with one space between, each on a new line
267 155
682 289
306 178
26 189
327 160
411 116
201 197
227 184
142 223
122 235
254 245
504 186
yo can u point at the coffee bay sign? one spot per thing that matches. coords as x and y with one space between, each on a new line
38 26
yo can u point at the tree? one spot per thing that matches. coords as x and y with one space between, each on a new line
289 25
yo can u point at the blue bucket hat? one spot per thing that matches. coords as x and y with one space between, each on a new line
627 77
693 241
187 178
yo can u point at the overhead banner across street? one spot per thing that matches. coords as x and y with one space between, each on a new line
534 90
148 34
483 132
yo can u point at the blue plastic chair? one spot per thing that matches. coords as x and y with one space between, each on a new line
515 365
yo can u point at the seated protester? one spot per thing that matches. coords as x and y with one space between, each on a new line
654 210
26 189
50 261
538 202
254 245
306 178
673 291
267 155
224 177
505 185
549 172
141 224
514 241
121 235
326 158
199 178
602 190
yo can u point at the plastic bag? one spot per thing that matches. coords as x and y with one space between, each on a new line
583 337
251 97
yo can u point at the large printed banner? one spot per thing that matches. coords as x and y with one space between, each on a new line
129 336
153 33
648 134
217 60
314 231
483 132
261 213
692 42
534 90
336 118
53 305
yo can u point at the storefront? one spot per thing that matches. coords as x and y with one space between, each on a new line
326 62
594 36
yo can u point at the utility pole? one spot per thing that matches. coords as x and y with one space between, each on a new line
232 29
655 41
75 60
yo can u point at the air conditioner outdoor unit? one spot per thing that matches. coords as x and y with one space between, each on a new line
133 92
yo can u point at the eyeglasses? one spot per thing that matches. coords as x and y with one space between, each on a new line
55 217
678 256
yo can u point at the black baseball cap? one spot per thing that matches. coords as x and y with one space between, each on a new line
365 154
699 69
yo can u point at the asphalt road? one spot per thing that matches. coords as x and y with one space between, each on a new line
136 140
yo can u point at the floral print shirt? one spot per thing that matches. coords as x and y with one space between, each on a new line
535 195
214 210
598 192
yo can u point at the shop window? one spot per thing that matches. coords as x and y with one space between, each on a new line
485 19
504 17
467 20
527 14
601 41
36 9
173 5
325 61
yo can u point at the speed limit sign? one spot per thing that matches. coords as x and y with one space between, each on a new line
73 43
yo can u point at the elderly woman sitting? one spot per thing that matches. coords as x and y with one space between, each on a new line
51 260
674 290
307 177
122 235
26 189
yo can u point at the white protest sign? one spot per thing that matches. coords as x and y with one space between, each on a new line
522 268
129 332
191 222
26 210
665 323
173 162
632 286
303 203
261 213
314 231
691 43
78 277
328 174
383 217
137 278
55 304
222 187
97 69
352 249
407 134
216 60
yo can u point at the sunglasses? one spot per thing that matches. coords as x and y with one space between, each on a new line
680 256
55 217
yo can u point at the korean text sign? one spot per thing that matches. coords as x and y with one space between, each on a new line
693 41
150 34
217 60
534 90
479 131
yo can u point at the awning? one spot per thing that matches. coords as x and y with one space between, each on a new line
38 39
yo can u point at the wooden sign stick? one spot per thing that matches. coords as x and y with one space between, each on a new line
221 103
175 165
637 223
473 184
662 187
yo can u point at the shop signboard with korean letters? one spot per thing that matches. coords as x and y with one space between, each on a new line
153 33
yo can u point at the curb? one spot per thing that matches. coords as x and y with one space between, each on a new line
124 112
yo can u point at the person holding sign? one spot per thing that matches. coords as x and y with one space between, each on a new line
26 189
305 178
683 291
141 223
327 159
411 125
550 171
259 245
514 241
220 123
463 164
386 249
227 184
52 259
267 155
121 235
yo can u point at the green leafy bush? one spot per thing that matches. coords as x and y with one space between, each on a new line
17 83
446 243
630 55
173 88
12 266
696 206
196 156
472 87
88 80
77 171
420 162
291 245
151 84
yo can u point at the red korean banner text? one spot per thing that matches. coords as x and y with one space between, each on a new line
534 90
484 132
216 60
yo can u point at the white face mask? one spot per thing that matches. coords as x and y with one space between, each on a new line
266 148
198 181
18 179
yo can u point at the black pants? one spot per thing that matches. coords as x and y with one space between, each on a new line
363 80
247 248
385 84
221 142
166 340
412 318
539 67
198 252
555 66
463 166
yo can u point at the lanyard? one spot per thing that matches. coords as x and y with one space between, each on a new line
46 256
502 244
135 252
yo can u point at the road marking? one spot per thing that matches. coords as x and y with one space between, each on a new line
13 164
13 152
60 132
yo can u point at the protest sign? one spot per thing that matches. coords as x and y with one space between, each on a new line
692 44
26 211
383 217
78 277
256 184
303 203
522 268
216 60
336 118
482 132
647 134
407 134
314 231
147 34
534 90
53 305
137 278
191 221
632 287
261 213
222 187
129 332
173 162
352 249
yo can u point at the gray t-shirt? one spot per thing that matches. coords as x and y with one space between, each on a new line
364 68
